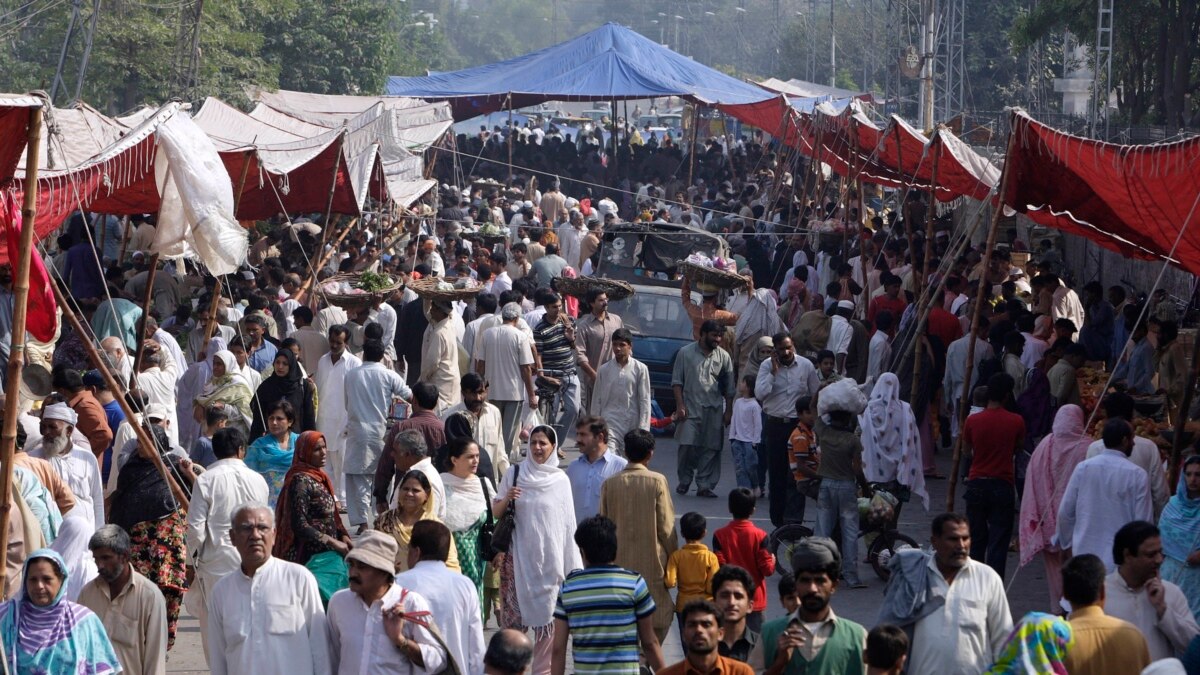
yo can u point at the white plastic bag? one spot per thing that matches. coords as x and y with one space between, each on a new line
843 395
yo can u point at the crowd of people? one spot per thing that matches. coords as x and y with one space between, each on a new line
370 484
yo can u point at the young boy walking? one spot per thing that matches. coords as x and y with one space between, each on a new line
692 567
744 544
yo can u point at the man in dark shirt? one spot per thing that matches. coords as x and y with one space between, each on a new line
557 379
992 438
733 590
424 401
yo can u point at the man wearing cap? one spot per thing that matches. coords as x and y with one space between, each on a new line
570 238
812 640
376 625
840 333
704 388
265 617
505 360
75 465
439 353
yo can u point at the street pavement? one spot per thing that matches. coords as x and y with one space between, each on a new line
1026 586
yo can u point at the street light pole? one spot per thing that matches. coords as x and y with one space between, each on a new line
832 49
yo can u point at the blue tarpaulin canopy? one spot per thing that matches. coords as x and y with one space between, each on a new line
610 63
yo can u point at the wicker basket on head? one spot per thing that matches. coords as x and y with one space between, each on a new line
579 287
428 289
357 300
710 275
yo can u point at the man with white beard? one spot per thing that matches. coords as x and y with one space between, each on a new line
75 465
119 358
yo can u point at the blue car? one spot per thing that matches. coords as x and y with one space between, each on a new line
660 327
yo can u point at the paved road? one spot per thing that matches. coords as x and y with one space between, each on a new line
1027 591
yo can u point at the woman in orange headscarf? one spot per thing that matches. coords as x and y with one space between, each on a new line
306 516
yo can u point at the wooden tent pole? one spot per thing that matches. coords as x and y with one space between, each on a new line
147 298
237 196
692 144
212 316
16 359
337 165
145 444
930 216
980 294
508 140
125 240
325 255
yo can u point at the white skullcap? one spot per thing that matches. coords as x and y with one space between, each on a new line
60 411
846 304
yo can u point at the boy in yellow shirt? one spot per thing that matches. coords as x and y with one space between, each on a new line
692 567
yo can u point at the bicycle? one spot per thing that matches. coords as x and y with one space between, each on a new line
882 538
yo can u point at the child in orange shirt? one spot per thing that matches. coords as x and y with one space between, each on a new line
692 567
804 456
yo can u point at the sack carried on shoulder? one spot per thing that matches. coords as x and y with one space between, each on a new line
502 536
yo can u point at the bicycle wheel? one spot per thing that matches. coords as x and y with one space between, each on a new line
880 552
782 541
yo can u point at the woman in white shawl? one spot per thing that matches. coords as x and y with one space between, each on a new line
543 550
228 387
190 386
72 544
891 439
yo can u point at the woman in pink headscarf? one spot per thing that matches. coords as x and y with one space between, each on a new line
798 302
1045 481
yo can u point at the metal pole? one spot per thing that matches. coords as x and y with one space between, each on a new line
16 360
145 444
979 296
929 216
832 49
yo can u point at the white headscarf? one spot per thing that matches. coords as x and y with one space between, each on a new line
72 544
465 501
543 550
891 440
61 412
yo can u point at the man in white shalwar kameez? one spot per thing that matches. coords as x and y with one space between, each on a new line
369 392
157 380
621 394
266 616
485 420
956 369
439 354
1103 493
331 410
75 464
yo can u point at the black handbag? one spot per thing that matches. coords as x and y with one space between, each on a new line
488 529
506 526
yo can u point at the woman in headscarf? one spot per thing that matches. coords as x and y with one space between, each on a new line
308 529
144 506
271 455
1045 482
414 502
798 301
226 387
286 383
764 348
467 497
1035 404
891 439
44 632
543 550
190 387
1037 646
72 544
1180 527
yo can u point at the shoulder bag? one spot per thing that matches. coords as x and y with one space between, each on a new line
502 535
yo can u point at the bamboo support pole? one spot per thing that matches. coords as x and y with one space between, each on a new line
22 261
145 443
980 294
1181 422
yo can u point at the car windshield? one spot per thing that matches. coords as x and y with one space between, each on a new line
657 315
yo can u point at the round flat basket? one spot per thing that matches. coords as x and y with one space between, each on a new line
357 300
428 288
579 287
709 275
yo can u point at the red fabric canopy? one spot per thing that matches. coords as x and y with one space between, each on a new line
1132 199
